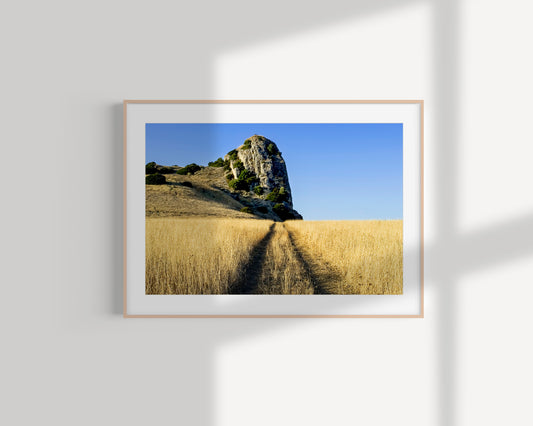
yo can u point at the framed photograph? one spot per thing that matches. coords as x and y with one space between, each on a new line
250 208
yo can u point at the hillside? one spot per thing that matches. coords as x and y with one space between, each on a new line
250 182
208 195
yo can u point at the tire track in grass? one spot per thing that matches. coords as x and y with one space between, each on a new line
318 281
278 266
283 270
247 282
325 278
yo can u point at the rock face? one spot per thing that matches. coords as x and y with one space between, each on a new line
256 170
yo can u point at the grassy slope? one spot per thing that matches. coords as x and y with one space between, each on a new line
206 198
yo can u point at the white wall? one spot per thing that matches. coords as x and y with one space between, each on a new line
67 356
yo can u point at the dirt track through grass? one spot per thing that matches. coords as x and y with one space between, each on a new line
319 273
277 267
250 256
247 282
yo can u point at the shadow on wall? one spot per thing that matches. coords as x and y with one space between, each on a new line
465 252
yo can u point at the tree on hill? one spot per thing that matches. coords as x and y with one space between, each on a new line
219 162
190 168
155 179
151 168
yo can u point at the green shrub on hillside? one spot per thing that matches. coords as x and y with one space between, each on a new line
237 164
280 210
238 184
219 162
233 155
155 179
278 195
245 180
247 210
166 171
151 168
247 144
259 190
272 149
190 168
249 177
283 212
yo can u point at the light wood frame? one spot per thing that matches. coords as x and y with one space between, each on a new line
270 101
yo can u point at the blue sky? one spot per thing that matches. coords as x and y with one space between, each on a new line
336 171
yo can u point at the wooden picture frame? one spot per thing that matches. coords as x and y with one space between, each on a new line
137 113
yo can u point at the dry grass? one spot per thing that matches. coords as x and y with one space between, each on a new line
198 256
365 256
206 197
216 255
283 271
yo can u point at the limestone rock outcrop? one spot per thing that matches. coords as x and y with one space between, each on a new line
257 170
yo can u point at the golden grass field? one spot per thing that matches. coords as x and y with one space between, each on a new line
361 257
210 255
198 256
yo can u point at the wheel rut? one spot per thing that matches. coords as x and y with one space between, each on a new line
247 282
277 266
315 281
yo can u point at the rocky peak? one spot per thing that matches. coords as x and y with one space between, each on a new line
257 167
